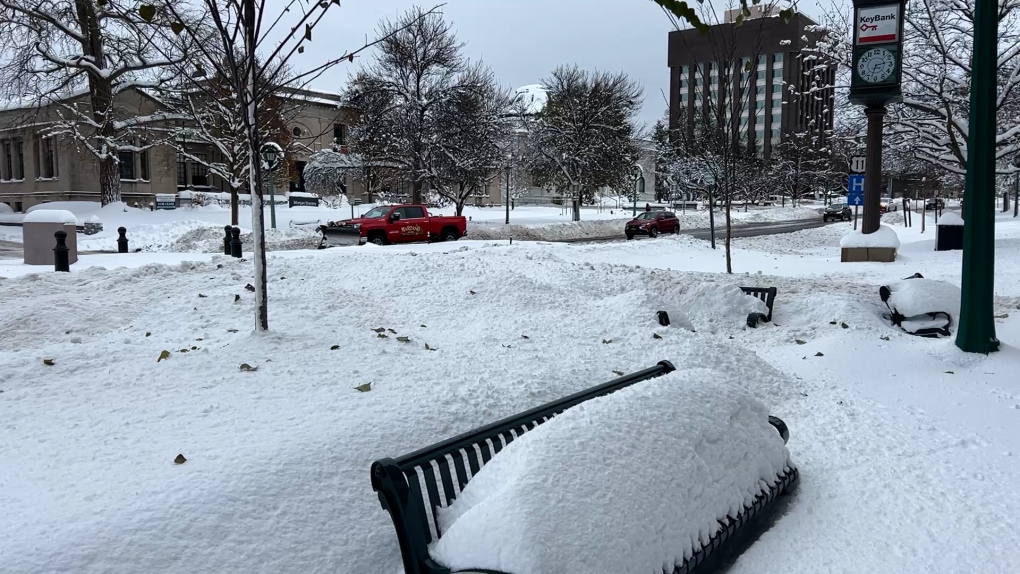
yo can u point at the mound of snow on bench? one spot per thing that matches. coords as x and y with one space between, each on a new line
628 483
912 297
51 216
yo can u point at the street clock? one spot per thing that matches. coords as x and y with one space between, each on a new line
877 52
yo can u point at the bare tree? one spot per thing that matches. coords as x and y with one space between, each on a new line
583 138
98 49
932 122
419 68
474 128
238 42
215 121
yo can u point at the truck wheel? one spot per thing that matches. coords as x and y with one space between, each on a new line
450 235
377 238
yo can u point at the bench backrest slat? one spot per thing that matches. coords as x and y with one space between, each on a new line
431 488
414 511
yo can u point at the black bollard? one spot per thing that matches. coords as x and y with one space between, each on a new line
235 242
61 258
226 240
122 241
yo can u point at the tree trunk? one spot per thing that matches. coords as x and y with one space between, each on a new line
101 101
233 206
729 229
109 180
416 192
255 175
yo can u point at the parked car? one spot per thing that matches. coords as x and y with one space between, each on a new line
888 205
652 223
933 203
837 211
387 224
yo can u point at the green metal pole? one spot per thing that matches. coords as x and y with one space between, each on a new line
272 202
976 333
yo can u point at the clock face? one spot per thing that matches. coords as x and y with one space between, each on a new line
876 65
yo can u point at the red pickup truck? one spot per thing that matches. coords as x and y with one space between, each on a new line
394 224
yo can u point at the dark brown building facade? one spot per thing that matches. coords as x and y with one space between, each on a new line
762 72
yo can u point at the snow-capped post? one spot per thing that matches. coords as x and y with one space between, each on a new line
122 240
875 82
61 258
976 333
271 154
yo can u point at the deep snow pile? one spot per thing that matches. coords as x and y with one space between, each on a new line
276 478
638 479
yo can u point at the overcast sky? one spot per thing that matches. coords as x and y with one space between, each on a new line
521 40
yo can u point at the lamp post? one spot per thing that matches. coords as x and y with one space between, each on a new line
271 154
638 174
976 332
509 158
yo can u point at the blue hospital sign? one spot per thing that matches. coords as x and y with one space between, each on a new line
856 184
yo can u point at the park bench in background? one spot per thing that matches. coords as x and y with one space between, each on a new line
766 294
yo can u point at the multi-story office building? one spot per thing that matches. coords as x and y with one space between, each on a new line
760 80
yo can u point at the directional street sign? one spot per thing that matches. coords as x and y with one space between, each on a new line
855 190
857 164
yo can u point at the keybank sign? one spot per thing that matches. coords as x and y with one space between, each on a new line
877 24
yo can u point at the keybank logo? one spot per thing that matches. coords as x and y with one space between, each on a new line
879 18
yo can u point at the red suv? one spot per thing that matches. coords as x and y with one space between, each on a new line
652 223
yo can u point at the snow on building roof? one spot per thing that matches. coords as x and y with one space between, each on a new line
533 96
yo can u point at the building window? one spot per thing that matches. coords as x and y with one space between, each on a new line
297 131
340 134
46 158
126 160
143 164
199 170
7 171
777 59
777 88
182 171
19 159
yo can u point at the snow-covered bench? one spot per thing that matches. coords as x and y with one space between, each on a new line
413 487
766 294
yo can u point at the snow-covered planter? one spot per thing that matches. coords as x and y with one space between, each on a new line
625 483
950 218
885 237
920 305
51 216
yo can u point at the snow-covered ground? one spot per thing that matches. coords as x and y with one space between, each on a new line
908 448
200 229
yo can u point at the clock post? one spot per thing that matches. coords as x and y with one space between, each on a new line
875 82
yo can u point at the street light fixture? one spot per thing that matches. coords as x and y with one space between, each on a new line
509 159
271 155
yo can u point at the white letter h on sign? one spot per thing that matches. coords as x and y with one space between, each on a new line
858 185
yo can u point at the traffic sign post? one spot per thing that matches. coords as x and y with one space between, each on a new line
857 164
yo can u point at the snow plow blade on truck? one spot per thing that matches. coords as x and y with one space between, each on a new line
339 235
411 489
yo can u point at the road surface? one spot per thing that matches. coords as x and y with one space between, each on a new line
742 230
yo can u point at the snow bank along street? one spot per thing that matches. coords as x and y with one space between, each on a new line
908 449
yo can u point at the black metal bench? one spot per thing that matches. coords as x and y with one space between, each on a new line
414 485
766 294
